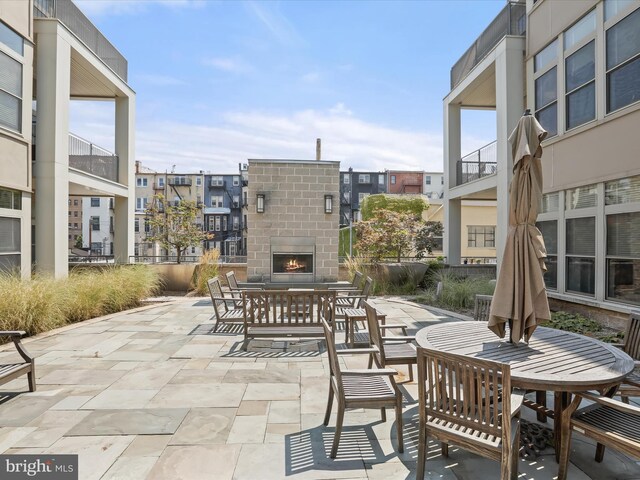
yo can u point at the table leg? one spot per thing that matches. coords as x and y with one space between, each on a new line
560 403
346 330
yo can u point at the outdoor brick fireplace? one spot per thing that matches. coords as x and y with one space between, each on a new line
292 222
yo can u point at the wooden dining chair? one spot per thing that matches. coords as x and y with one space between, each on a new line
630 386
354 298
607 421
226 309
361 388
390 350
482 307
459 403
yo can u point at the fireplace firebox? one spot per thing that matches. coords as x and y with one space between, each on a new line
292 259
292 263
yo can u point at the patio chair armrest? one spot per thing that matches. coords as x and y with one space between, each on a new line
517 397
13 333
357 351
393 325
619 345
399 339
609 402
365 372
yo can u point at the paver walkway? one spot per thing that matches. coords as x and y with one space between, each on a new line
151 394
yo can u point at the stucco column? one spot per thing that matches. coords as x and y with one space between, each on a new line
509 108
124 207
452 209
51 167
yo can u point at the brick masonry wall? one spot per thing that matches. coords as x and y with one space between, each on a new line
294 207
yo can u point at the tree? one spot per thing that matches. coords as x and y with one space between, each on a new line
387 233
412 204
174 225
425 240
78 243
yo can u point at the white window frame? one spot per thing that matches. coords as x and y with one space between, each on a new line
364 178
236 180
217 181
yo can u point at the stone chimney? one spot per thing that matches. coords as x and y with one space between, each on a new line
318 149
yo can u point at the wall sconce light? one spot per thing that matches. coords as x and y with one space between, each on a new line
328 203
260 203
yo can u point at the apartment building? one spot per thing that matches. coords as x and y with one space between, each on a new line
576 66
98 227
406 181
51 44
354 187
75 221
174 187
223 213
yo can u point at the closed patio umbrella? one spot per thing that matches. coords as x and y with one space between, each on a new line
520 297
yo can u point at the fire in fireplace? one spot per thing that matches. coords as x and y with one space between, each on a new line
292 263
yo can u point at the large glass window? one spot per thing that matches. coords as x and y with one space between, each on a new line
624 190
623 62
550 202
10 93
549 230
623 257
614 7
481 236
95 223
364 178
581 251
95 201
581 197
217 200
11 39
546 101
580 86
582 28
545 56
9 243
11 199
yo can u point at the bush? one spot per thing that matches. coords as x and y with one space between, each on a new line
206 269
43 303
458 294
381 284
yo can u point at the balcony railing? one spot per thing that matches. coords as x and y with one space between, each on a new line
175 181
510 21
481 163
90 158
70 15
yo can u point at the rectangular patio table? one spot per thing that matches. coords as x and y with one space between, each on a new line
554 360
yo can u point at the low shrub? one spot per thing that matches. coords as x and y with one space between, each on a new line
208 267
458 294
43 303
576 323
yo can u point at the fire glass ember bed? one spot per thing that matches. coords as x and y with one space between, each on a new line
292 263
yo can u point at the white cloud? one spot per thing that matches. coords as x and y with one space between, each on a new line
102 8
238 136
227 64
275 22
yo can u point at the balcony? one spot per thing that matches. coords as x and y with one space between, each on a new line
67 13
481 163
180 181
85 156
511 20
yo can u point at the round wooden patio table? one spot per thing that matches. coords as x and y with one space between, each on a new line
554 360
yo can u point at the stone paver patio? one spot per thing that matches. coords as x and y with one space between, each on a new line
152 394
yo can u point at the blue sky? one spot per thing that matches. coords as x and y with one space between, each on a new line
220 82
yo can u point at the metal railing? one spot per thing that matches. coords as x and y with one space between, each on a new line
91 259
481 163
511 20
76 21
90 158
478 260
184 259
177 181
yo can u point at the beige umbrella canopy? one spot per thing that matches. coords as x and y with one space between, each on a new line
520 297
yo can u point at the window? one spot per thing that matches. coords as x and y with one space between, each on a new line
581 251
549 230
96 248
198 199
581 197
623 62
362 196
236 201
75 202
550 202
75 224
198 181
161 182
545 56
236 223
625 190
441 180
217 200
580 30
217 223
211 223
10 93
147 226
141 203
75 213
95 202
364 178
623 257
136 225
217 181
224 224
380 179
236 181
95 223
141 182
481 236
69 202
346 178
427 179
11 199
580 86
393 179
546 101
11 39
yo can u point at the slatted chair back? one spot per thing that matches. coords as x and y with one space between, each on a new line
375 336
482 307
632 336
289 308
366 290
217 297
464 390
334 365
232 281
357 279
